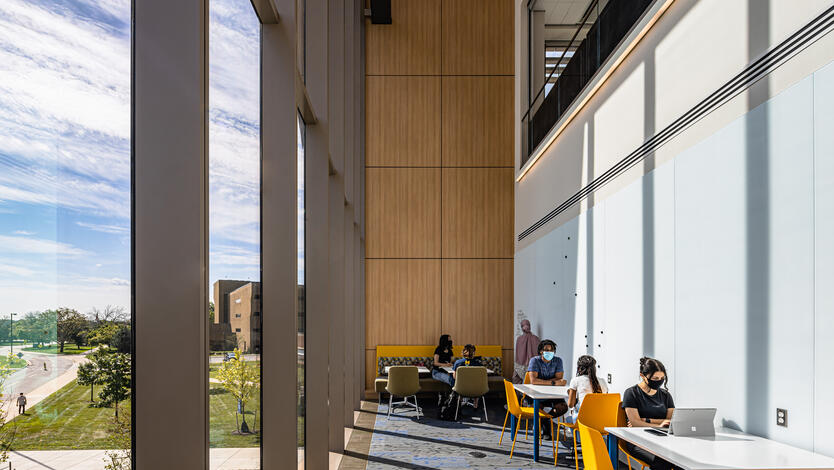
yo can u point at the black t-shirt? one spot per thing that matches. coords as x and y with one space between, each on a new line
649 406
445 354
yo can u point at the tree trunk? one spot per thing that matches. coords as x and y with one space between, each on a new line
61 344
117 411
91 393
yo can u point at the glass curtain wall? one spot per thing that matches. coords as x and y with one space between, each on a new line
301 306
65 236
234 306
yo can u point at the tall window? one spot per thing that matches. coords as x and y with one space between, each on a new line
301 292
65 198
234 305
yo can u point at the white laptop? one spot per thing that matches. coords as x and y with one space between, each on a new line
691 422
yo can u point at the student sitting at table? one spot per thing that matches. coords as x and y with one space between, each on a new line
443 358
583 383
648 405
547 369
469 359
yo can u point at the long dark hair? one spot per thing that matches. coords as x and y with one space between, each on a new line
444 342
650 365
587 365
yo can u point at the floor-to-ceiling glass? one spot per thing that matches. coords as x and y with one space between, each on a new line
234 303
302 323
65 237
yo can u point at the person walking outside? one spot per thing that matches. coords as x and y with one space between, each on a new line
21 404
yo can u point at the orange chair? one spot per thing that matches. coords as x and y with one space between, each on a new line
622 421
598 411
594 451
525 413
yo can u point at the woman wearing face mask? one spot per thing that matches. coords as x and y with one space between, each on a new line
443 358
648 405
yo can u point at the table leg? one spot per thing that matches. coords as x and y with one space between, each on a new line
536 430
613 451
512 426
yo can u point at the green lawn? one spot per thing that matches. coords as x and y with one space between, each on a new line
222 409
13 363
69 348
65 420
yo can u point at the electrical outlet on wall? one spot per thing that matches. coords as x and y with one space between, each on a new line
781 417
609 378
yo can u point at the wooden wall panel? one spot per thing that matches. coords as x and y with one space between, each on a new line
478 300
402 301
478 121
508 364
402 121
402 218
478 37
477 212
408 46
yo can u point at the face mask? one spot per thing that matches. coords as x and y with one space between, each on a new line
655 384
548 355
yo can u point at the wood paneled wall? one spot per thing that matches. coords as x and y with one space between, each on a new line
439 175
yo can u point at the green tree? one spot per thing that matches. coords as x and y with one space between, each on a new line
114 369
211 311
88 374
241 378
105 333
69 323
122 340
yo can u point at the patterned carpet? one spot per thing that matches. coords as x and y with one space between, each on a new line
405 442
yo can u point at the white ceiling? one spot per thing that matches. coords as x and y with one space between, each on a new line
562 17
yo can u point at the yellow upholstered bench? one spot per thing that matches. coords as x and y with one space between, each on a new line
423 355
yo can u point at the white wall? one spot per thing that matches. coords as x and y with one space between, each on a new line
719 262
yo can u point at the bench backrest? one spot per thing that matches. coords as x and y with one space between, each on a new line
389 355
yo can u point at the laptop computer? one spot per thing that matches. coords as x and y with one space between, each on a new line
691 422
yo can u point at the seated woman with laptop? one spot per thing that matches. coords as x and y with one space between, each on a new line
648 405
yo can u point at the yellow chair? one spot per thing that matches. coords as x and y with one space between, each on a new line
598 411
521 412
622 421
594 451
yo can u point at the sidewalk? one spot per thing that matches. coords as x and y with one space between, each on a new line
221 459
39 394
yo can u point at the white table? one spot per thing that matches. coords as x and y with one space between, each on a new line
420 370
729 449
538 393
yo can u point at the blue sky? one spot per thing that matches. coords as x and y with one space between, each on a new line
65 151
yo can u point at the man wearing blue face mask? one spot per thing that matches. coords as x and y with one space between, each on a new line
547 369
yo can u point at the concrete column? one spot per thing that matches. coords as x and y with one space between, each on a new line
317 255
170 220
279 238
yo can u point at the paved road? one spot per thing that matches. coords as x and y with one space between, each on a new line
33 375
221 459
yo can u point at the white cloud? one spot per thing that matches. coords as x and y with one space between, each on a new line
112 229
19 271
23 232
38 246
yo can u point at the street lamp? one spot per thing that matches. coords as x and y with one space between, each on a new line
11 332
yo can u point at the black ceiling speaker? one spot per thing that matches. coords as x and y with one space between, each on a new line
381 11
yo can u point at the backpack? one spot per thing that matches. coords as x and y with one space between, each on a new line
446 412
